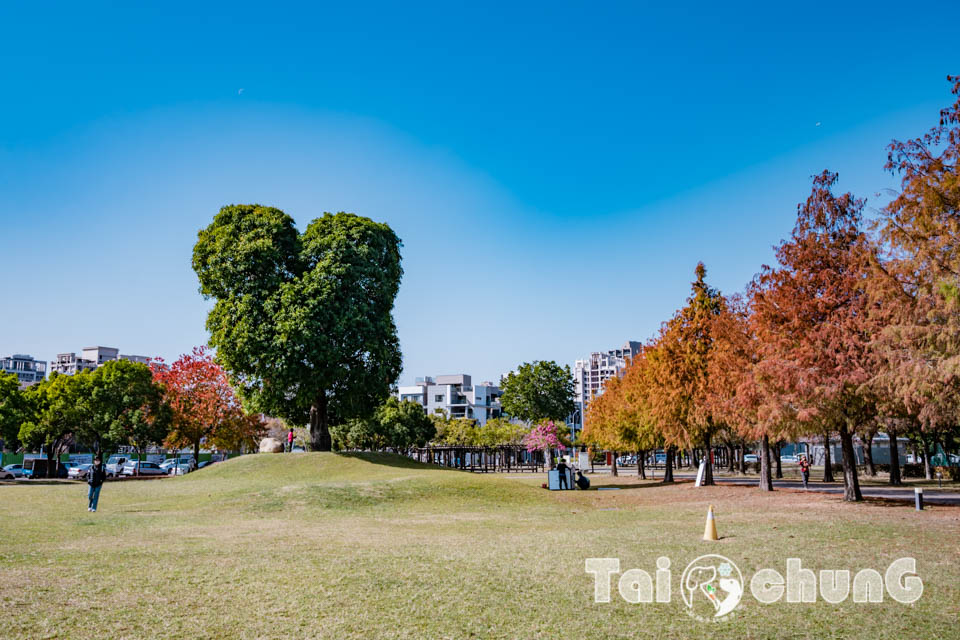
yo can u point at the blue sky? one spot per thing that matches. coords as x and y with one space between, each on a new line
555 170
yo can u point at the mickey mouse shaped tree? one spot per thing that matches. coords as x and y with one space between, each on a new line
303 321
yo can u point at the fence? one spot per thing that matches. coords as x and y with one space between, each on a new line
503 459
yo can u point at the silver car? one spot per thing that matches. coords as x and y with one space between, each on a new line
79 471
141 468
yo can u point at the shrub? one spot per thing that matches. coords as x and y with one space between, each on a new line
906 470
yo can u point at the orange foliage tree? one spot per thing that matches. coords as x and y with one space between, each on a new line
204 404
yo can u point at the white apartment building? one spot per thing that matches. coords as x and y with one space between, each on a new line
455 394
590 374
28 370
90 358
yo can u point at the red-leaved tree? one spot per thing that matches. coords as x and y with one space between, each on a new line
202 400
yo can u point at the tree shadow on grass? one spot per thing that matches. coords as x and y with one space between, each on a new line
391 460
656 484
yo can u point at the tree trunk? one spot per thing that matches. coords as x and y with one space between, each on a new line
779 464
708 466
868 455
730 461
827 462
766 482
927 465
851 484
694 459
196 453
895 477
668 466
319 429
743 459
641 465
613 466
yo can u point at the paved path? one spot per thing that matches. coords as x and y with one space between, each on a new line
931 495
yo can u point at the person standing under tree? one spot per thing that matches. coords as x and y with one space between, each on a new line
562 468
95 478
290 440
804 470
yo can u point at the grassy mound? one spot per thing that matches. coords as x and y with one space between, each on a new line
305 482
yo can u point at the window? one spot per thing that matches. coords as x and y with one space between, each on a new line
438 398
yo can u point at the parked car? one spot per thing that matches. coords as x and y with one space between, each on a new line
6 475
751 457
19 471
179 469
114 465
15 469
206 463
63 469
79 471
788 459
141 467
184 460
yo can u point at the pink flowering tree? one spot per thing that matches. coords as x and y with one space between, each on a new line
543 437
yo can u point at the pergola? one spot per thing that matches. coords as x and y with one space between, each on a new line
501 458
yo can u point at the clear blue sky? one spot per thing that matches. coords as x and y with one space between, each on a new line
555 170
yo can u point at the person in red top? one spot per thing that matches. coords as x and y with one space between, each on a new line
804 470
290 441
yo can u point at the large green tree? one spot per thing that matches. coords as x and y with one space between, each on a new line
541 390
119 403
13 410
405 424
303 322
53 413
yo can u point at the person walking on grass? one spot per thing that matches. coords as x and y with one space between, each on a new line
804 471
95 478
290 441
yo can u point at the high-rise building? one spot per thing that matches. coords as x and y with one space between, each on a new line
456 395
590 374
28 370
90 358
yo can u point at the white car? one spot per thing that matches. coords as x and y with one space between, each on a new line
751 457
179 469
114 465
142 467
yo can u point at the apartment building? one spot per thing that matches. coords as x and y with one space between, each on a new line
27 369
90 358
590 374
456 395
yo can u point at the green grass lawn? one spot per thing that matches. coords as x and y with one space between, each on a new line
331 546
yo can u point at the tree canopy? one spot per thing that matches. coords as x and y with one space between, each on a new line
303 321
541 390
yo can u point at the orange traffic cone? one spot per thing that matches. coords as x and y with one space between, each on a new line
710 531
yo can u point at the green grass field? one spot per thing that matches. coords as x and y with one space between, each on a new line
331 546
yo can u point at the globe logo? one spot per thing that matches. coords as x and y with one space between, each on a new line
711 586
